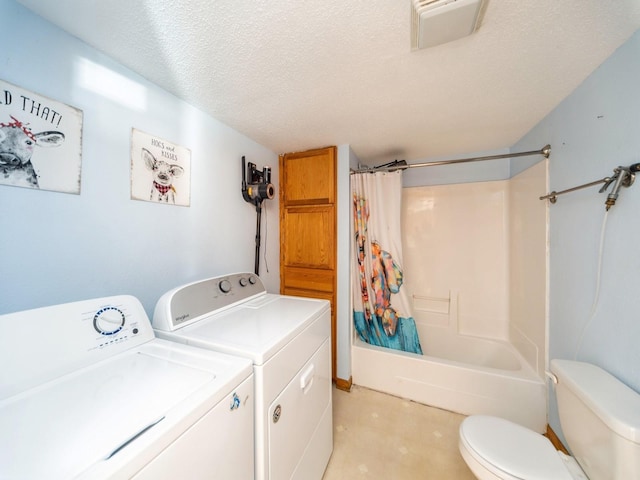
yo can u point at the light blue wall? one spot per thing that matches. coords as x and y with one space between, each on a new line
58 247
594 130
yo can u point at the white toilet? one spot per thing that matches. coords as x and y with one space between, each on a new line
600 419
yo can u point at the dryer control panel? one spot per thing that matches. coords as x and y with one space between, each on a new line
185 304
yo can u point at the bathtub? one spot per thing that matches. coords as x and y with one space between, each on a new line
463 374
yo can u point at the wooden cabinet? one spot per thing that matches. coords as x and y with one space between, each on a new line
308 243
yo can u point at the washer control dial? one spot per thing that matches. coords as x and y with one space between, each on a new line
224 286
108 320
243 282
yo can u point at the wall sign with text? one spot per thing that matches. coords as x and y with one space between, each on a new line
40 141
160 170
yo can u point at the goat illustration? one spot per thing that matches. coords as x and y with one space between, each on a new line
162 189
17 143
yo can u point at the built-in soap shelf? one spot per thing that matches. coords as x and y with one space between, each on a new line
439 311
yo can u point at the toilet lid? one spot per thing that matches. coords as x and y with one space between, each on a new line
503 446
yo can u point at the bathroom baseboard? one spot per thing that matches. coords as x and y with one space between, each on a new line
342 384
551 435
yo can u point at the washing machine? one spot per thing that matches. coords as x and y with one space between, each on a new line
88 392
288 340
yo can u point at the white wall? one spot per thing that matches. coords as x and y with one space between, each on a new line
60 247
591 132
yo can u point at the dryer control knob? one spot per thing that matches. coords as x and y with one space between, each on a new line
108 320
243 282
225 286
252 280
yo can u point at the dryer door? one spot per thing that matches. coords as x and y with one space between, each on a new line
300 440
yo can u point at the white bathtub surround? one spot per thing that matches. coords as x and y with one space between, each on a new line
476 259
455 238
463 374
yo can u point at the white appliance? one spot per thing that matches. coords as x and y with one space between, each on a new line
88 392
288 340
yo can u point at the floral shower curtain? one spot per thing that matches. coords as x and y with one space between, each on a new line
380 306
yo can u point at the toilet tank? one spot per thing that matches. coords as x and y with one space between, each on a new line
600 419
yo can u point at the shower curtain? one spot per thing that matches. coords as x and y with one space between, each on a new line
381 311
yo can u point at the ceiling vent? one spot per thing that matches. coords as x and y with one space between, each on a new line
434 22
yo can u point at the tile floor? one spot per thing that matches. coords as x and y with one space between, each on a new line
379 436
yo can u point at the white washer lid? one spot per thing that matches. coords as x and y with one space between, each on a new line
512 449
64 427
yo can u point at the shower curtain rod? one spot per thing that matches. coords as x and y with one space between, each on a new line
402 164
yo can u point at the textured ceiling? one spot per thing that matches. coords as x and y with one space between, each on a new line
297 75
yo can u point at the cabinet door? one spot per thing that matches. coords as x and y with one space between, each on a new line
308 237
308 242
309 178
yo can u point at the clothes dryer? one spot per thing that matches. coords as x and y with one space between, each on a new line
288 340
88 392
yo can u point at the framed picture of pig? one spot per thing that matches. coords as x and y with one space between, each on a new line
160 170
40 141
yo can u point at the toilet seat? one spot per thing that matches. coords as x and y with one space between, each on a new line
508 451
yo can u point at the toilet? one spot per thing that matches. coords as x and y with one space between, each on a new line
600 419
